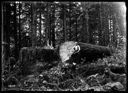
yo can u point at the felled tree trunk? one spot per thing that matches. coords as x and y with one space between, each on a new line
90 52
92 69
77 52
34 60
88 69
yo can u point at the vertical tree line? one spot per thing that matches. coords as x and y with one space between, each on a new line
64 23
6 32
40 24
33 27
15 32
48 24
19 26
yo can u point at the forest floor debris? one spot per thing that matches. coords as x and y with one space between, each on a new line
57 79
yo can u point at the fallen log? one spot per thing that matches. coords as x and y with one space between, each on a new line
76 52
33 60
93 68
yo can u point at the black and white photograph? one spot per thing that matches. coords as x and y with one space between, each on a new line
63 46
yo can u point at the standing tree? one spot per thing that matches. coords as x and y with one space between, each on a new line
100 25
64 22
70 20
105 24
76 29
33 27
53 26
50 22
86 9
6 29
47 24
40 24
19 25
115 30
15 32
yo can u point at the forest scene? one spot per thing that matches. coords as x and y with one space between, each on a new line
63 46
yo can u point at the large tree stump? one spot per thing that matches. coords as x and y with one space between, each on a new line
78 51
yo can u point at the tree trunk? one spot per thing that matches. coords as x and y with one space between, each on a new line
76 30
82 34
3 39
91 34
7 31
47 25
53 27
77 51
91 69
86 7
70 21
7 34
50 34
100 27
15 33
87 26
19 27
35 60
33 27
106 26
115 31
88 69
40 25
64 23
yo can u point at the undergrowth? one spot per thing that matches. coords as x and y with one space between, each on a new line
59 79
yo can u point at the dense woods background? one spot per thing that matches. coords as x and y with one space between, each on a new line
41 24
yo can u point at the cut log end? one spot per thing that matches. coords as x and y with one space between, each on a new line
66 50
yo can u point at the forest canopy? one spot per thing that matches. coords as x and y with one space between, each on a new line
30 27
50 23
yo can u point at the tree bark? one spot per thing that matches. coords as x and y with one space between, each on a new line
15 33
33 26
76 29
64 23
7 30
50 22
53 27
106 26
100 26
19 27
40 25
115 31
91 69
3 46
87 26
86 7
82 33
34 59
70 21
47 25
69 52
